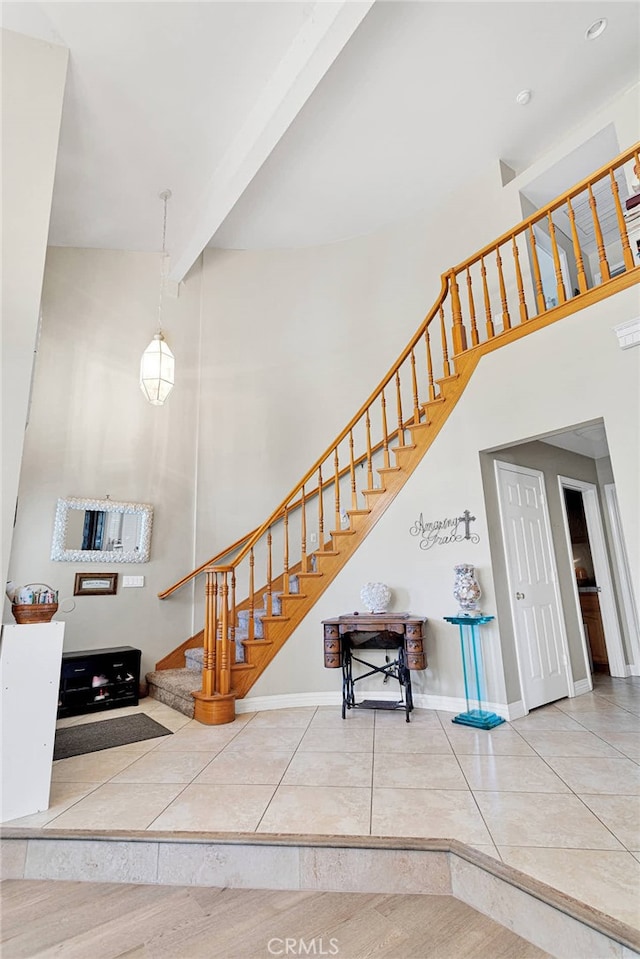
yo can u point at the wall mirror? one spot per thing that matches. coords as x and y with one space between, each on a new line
101 531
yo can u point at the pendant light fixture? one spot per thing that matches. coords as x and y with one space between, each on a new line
157 366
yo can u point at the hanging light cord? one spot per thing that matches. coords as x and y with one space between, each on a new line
165 196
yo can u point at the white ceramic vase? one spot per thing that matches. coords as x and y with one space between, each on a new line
466 590
375 597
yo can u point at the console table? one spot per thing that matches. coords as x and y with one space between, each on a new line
355 631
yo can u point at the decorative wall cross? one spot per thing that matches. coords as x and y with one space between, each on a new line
467 519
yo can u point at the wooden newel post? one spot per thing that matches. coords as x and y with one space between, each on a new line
210 625
458 332
215 703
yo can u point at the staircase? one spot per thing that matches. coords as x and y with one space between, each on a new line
284 566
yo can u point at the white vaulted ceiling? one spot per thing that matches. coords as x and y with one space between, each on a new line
288 124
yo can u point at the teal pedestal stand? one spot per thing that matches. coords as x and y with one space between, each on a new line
473 674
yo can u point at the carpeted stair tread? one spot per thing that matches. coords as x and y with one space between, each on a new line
182 681
173 687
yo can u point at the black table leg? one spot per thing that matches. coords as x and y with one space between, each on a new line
348 698
404 678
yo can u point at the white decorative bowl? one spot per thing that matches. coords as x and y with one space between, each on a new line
376 597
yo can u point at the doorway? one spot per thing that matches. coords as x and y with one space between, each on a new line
586 584
593 582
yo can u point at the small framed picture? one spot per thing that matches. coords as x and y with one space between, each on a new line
95 584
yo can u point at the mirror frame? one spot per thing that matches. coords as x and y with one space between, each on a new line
60 553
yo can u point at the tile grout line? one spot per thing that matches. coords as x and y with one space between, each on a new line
280 783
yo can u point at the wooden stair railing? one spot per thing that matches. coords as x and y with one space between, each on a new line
493 297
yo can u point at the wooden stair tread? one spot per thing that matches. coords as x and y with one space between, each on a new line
387 469
342 532
405 446
359 512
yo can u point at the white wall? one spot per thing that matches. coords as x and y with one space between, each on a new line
92 433
33 79
294 341
566 374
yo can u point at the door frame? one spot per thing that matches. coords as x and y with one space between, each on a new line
602 570
629 602
562 631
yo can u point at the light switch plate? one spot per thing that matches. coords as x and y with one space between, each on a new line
132 581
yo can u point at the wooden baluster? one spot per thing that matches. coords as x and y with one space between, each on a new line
446 369
285 562
385 430
216 643
562 293
602 256
224 684
627 255
269 606
524 314
252 618
232 612
414 385
537 277
475 339
210 627
367 420
336 490
399 409
577 252
304 563
432 387
352 473
320 511
506 319
487 302
458 332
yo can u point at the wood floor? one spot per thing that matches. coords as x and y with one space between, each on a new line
75 920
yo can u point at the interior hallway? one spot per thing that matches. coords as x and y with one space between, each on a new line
555 794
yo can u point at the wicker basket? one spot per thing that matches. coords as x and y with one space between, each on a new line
34 612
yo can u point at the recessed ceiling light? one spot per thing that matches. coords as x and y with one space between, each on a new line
523 97
596 29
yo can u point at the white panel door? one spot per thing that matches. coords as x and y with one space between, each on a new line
531 574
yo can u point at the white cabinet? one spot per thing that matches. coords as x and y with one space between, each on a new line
30 658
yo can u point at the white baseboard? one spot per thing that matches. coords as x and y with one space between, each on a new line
447 704
582 686
252 704
634 670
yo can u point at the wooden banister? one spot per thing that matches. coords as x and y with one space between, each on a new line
541 214
274 545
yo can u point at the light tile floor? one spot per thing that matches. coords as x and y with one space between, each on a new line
555 794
